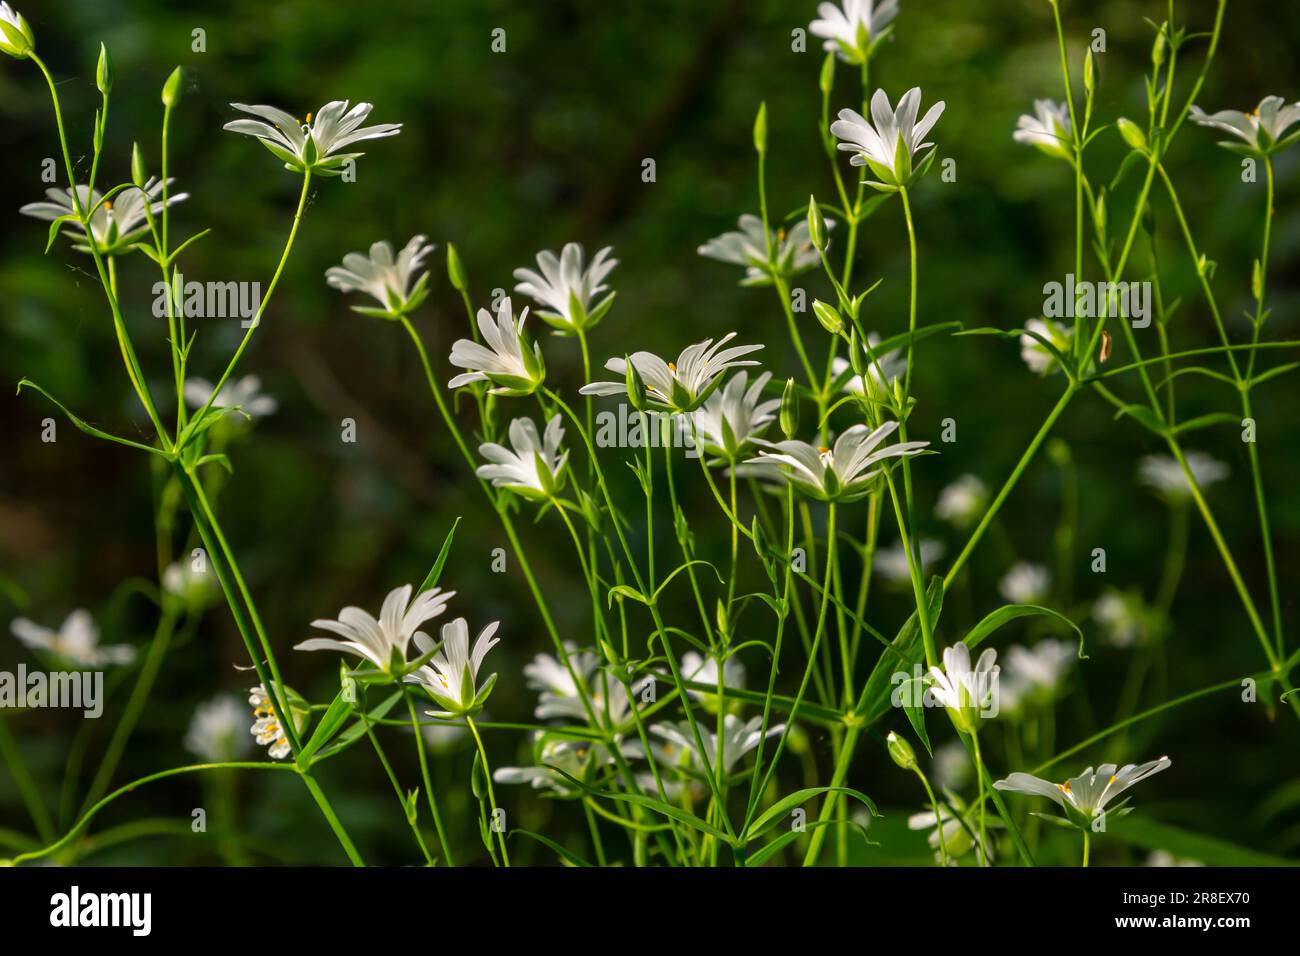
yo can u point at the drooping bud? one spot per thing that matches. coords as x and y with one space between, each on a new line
901 751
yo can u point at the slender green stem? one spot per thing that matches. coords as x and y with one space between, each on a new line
492 800
427 778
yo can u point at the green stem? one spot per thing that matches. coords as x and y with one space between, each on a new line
427 778
487 776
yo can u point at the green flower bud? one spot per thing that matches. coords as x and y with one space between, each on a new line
139 175
901 751
828 316
1132 134
171 91
789 409
1089 73
456 270
816 225
760 129
16 36
104 71
1158 49
826 81
635 387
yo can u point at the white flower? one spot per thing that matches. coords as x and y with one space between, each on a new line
1165 858
952 767
1124 618
114 224
559 693
1049 129
1035 354
792 252
854 28
960 834
891 562
1025 583
15 35
1165 475
382 642
314 144
451 676
890 143
962 502
882 372
574 757
738 738
1262 130
192 588
704 670
507 361
216 730
966 693
565 290
241 395
535 468
734 416
1084 797
383 277
76 641
682 385
267 729
844 473
1035 673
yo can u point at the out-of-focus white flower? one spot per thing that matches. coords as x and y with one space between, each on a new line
267 728
680 386
216 732
1035 354
508 361
574 757
738 738
1048 129
967 693
1025 583
115 224
1165 476
890 143
382 642
1165 858
451 676
242 395
1124 618
882 373
791 252
535 468
314 144
1034 674
952 767
735 415
1086 796
963 502
697 669
891 562
846 472
1262 131
960 833
385 277
853 29
565 290
75 641
15 35
194 589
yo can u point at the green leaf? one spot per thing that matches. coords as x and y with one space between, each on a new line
650 803
785 839
1193 846
1010 612
624 591
358 728
567 855
1205 421
773 814
914 707
431 579
89 429
1144 416
328 726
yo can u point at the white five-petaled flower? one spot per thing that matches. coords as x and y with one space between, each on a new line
385 277
1038 356
853 29
738 738
1263 130
558 686
1034 673
844 473
267 728
967 693
194 587
890 143
791 252
15 35
1085 797
383 642
680 386
76 641
962 502
238 395
1125 618
1025 583
565 290
115 224
1048 129
882 371
535 468
1164 475
451 676
891 563
734 415
508 361
216 732
314 144
704 670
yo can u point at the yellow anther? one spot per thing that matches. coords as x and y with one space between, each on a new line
672 367
308 119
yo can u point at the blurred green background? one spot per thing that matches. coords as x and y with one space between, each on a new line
509 153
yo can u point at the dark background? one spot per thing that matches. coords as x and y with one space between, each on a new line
506 154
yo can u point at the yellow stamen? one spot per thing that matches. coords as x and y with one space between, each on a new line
672 367
822 450
308 119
